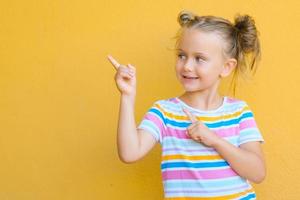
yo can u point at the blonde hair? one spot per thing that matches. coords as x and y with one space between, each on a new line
241 39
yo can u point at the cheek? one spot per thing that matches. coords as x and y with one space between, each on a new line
177 71
202 69
207 68
178 66
178 63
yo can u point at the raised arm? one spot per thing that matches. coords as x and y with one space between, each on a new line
132 144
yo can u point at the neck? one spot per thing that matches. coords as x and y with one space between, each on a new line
202 100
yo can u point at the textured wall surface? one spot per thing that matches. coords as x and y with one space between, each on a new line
59 103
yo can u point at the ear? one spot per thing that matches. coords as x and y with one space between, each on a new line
228 67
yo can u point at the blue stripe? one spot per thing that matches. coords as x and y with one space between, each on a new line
171 142
211 184
250 196
246 115
157 112
209 125
193 165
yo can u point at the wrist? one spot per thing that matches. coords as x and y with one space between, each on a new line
126 98
218 142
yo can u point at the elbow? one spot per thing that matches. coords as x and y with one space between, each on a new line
259 178
127 159
260 175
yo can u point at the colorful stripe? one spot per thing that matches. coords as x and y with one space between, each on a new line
250 194
191 170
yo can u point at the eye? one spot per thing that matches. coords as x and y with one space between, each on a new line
181 56
199 59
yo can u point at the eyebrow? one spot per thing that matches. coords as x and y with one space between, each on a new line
200 53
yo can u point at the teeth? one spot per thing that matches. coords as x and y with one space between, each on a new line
190 77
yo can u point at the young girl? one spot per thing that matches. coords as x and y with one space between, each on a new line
210 143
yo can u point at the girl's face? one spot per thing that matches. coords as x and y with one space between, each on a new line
199 60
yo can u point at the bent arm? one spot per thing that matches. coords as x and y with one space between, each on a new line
132 144
247 161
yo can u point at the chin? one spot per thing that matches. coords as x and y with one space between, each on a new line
191 89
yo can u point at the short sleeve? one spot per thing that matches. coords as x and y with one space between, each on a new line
153 121
248 129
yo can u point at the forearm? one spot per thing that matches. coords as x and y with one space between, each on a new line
127 137
247 164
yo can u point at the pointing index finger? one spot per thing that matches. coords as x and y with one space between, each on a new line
113 62
190 115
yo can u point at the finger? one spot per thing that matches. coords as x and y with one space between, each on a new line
191 132
128 72
193 125
123 68
131 67
113 62
190 115
126 75
198 138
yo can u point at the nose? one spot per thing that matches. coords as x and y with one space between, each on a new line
188 66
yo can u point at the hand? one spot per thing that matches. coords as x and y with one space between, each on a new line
125 77
199 132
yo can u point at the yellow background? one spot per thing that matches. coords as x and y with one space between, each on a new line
59 103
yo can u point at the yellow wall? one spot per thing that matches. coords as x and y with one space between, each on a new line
59 103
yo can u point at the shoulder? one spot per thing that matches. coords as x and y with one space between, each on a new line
172 101
240 108
167 105
236 103
234 100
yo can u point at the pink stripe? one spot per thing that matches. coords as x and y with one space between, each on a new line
174 100
245 186
224 132
232 100
190 150
188 174
156 120
249 123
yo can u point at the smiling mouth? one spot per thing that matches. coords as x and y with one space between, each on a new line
189 77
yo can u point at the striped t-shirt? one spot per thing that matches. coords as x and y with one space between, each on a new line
191 170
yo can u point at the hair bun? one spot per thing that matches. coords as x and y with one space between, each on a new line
247 32
185 17
243 22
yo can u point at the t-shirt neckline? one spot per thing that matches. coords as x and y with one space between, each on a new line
203 111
